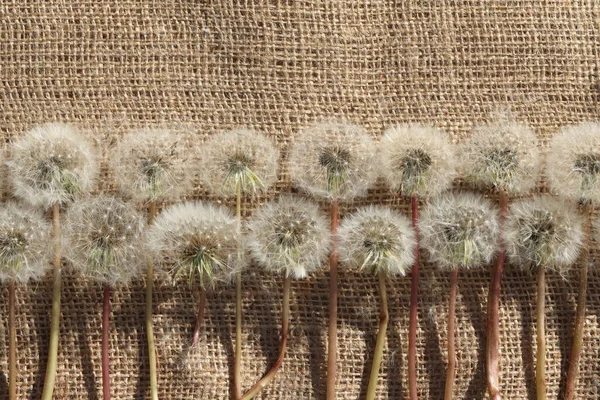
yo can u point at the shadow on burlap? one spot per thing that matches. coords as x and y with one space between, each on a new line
273 66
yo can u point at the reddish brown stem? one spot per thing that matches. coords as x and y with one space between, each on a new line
493 310
414 307
105 337
12 344
540 370
451 372
199 317
577 345
333 299
285 323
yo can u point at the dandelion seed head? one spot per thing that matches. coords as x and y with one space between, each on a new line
240 157
289 236
196 241
334 160
543 232
502 154
460 230
103 239
573 162
417 160
25 243
377 239
152 165
52 164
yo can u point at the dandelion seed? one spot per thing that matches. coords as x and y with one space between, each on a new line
24 255
337 161
573 162
241 157
334 160
383 242
152 165
417 160
291 237
24 244
502 154
104 242
103 237
197 242
377 239
460 230
52 164
543 232
572 171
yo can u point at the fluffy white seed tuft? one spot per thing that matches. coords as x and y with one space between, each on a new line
289 236
417 160
573 162
377 239
460 230
25 243
103 239
503 154
543 232
152 165
197 241
334 160
52 164
240 157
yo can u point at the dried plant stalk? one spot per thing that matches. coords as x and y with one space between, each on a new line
451 371
493 311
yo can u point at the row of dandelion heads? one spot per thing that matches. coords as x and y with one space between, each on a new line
114 239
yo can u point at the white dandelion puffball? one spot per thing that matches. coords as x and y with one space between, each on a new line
197 241
573 162
544 232
377 239
25 243
240 157
52 164
460 230
103 239
152 165
289 236
503 154
417 160
334 160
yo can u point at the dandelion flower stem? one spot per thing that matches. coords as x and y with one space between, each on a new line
414 291
493 310
285 321
383 324
237 377
451 371
540 370
333 297
149 327
55 321
12 344
105 339
577 345
199 316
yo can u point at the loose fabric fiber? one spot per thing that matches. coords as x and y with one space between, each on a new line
274 66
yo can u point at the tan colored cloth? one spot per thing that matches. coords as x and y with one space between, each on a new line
273 66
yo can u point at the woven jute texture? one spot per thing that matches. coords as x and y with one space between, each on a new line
108 66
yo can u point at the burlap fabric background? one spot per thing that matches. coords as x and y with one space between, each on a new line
274 66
